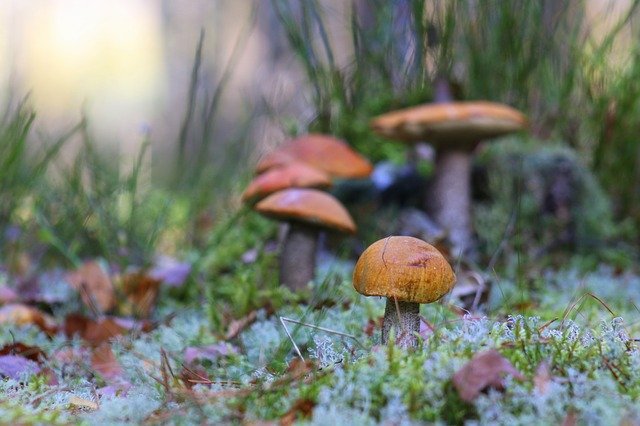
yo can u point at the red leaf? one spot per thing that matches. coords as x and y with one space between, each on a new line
142 291
302 408
101 330
94 285
104 362
485 370
32 353
20 314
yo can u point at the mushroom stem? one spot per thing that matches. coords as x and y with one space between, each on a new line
405 320
298 256
451 198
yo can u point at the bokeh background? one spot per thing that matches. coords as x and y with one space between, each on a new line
126 65
188 95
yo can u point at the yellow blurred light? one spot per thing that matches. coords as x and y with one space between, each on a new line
101 51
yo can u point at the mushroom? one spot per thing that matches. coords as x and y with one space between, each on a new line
293 175
407 271
455 129
323 152
307 211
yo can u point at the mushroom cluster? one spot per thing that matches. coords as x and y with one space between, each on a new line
287 188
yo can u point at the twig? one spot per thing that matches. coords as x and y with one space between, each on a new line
286 330
326 330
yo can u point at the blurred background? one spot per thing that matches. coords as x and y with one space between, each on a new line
187 95
126 65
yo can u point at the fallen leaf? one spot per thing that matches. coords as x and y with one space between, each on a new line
485 370
104 362
194 375
211 352
543 377
33 353
101 330
17 367
298 368
302 409
142 291
82 403
94 285
236 326
20 314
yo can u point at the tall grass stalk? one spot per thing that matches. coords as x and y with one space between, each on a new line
23 162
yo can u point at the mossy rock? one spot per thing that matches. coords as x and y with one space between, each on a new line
538 196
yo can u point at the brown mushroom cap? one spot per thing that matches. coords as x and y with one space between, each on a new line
310 206
323 152
404 268
460 123
292 175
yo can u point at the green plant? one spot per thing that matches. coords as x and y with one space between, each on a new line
22 167
95 211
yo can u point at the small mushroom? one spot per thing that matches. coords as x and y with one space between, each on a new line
307 211
324 152
407 271
455 129
293 175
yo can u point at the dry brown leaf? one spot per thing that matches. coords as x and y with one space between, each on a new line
485 370
94 285
302 409
34 353
98 331
103 330
142 291
20 314
104 362
298 368
193 375
236 326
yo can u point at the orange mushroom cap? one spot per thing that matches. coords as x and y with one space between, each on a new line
310 206
404 268
459 123
292 175
323 152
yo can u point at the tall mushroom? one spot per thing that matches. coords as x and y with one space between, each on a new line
407 271
292 175
324 152
307 211
455 129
